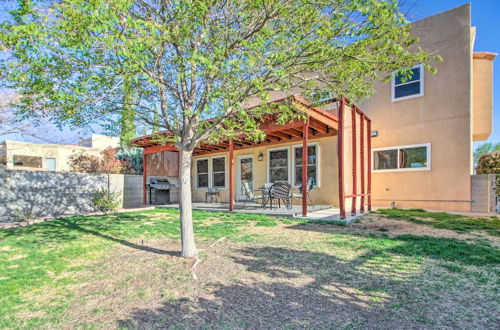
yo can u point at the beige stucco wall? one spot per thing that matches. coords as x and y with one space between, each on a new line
325 194
441 117
482 95
58 151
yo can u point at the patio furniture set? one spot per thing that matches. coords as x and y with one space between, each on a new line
276 192
269 194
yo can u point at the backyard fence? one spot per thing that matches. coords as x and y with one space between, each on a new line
26 194
484 199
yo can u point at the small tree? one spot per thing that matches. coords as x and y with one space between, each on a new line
199 59
84 163
490 164
127 121
485 148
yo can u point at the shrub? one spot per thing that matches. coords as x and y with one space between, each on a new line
84 163
110 163
490 164
106 200
131 159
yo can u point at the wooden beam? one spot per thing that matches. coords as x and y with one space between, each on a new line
231 176
326 119
305 135
321 128
369 162
281 135
340 161
272 127
144 178
294 133
362 160
272 136
354 162
157 149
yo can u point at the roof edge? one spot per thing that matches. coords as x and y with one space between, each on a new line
484 56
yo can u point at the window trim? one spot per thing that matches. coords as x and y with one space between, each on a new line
411 169
318 162
421 81
268 163
211 172
197 186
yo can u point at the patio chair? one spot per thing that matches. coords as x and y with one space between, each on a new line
281 191
212 192
248 193
264 189
309 187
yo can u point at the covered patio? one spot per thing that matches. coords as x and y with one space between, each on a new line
353 155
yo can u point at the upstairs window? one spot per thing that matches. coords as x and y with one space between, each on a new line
405 87
404 158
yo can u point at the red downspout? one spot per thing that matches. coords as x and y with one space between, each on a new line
340 159
354 165
305 136
362 161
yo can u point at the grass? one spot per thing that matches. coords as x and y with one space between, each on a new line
120 270
443 220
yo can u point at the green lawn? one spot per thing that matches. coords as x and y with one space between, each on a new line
122 271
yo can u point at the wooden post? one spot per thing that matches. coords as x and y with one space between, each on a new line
144 177
340 158
231 175
362 161
354 165
305 136
369 162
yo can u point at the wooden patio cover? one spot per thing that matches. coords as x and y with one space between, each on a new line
319 123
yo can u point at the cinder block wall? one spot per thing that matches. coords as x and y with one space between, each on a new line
51 194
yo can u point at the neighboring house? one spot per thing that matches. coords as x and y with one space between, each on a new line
421 131
51 157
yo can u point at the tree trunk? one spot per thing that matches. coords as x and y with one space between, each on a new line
185 203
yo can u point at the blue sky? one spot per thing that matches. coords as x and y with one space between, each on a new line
485 15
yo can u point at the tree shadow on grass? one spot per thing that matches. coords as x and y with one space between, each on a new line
69 229
378 286
291 288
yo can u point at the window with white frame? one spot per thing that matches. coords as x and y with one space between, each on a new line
408 85
219 172
278 165
402 158
312 164
202 173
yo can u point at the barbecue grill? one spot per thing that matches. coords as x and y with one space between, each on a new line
161 188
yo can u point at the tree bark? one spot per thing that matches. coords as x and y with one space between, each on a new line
185 203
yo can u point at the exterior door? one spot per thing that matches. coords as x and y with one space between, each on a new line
245 175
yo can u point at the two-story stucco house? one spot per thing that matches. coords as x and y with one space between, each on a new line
411 142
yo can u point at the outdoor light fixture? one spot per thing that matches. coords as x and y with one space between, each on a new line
374 133
260 157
